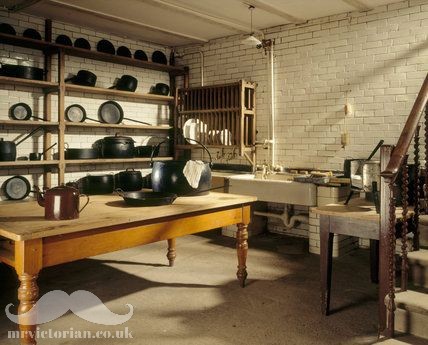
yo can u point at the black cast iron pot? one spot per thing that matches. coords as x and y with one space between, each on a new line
117 147
126 83
83 77
97 184
168 177
19 71
129 180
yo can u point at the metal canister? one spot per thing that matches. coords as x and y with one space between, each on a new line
371 173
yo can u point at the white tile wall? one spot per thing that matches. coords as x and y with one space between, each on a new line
106 74
374 60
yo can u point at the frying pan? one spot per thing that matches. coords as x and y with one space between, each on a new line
76 113
111 112
16 188
35 156
140 198
22 112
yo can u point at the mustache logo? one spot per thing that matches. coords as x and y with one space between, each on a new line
56 303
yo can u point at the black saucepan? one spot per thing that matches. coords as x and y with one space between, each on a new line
82 43
83 77
7 29
97 184
76 113
36 156
8 148
161 89
32 33
105 46
16 188
124 51
146 151
64 40
25 72
111 112
140 55
129 180
22 111
80 153
117 146
140 198
126 83
159 57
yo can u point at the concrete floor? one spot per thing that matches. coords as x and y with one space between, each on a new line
199 302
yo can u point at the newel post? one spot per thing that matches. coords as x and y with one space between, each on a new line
386 264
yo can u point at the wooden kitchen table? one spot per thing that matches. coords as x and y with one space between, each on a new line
29 243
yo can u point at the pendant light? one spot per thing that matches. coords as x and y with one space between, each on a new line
251 40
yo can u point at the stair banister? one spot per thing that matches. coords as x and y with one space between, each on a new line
406 136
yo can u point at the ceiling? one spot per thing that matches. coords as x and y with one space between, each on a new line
185 22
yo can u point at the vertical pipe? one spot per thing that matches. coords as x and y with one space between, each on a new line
272 80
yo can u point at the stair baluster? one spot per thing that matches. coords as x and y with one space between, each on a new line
417 189
404 227
426 160
391 265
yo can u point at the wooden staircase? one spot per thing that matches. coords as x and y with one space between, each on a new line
403 273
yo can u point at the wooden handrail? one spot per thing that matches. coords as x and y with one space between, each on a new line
407 133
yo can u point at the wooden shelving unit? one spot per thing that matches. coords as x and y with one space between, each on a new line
28 163
115 160
118 126
28 123
118 93
29 82
48 48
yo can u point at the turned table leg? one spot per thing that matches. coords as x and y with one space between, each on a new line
242 249
28 293
28 263
171 255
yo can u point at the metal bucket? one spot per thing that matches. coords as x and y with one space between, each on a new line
371 173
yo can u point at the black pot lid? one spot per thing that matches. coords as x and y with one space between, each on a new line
110 112
140 55
105 46
159 57
124 51
75 113
16 188
64 40
7 29
82 43
32 33
118 138
20 111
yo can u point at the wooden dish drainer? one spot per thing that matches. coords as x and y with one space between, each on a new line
218 116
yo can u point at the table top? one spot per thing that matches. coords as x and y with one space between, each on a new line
357 208
25 220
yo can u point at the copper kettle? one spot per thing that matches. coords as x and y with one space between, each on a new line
60 203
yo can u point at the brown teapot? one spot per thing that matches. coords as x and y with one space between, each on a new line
60 203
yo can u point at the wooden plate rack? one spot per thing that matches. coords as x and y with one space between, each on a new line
219 116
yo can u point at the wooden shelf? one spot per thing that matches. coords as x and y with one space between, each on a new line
87 54
29 82
208 111
191 147
28 123
119 126
28 163
115 160
117 93
25 42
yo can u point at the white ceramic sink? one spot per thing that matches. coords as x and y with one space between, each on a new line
275 188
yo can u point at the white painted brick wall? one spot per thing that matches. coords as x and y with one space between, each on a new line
380 56
106 74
